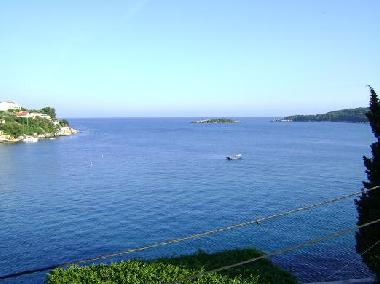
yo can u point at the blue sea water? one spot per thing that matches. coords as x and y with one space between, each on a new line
123 183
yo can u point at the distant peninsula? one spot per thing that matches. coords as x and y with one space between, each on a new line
18 124
344 115
215 121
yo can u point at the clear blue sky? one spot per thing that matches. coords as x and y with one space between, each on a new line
189 58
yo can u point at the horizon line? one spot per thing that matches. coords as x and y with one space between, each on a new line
205 117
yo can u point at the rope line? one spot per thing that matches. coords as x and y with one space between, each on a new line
190 237
278 252
347 264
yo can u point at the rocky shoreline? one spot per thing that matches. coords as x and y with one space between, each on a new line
63 131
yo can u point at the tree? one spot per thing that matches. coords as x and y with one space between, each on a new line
12 128
368 205
49 111
64 122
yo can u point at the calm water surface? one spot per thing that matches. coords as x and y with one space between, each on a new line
124 183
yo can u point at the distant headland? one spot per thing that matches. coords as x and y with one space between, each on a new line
215 121
18 124
344 115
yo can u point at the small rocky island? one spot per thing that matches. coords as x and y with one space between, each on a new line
18 124
344 115
215 121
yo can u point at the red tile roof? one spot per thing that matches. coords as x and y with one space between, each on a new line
22 113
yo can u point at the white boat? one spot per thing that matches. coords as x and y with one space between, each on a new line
234 157
30 139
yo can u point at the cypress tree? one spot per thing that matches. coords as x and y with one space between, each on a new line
368 205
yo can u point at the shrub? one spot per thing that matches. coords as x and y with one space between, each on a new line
176 269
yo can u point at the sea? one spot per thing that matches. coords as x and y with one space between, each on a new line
128 182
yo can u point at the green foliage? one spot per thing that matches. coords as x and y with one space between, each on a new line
368 205
38 125
344 115
12 128
176 269
49 111
17 126
64 122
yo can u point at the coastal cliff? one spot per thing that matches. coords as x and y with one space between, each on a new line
18 124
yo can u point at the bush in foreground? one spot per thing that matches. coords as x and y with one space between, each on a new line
168 270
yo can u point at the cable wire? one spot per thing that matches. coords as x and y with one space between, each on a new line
361 254
190 237
278 252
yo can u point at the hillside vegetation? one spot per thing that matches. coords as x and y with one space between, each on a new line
15 126
344 115
167 270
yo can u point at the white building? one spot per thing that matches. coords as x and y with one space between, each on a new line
42 115
26 114
9 105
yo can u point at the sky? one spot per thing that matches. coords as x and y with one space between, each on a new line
163 58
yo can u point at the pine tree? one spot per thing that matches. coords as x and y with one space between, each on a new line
368 205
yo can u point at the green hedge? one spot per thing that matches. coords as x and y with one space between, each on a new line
172 269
